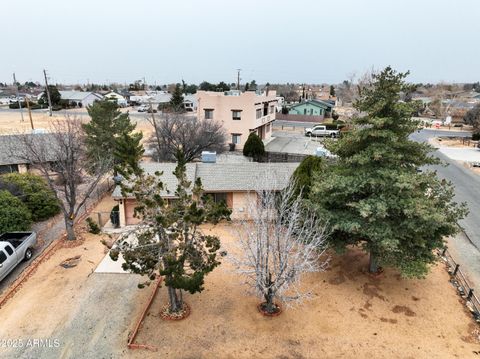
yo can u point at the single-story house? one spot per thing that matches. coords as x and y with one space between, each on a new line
312 108
12 150
119 99
233 183
80 97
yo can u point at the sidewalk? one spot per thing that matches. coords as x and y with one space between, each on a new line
468 256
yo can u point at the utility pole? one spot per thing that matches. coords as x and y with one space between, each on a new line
29 111
238 79
18 97
48 93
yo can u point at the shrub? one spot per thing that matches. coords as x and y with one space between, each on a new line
14 105
14 215
35 194
254 146
92 226
303 174
476 136
35 106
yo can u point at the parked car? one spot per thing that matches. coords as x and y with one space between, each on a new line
321 130
15 247
142 108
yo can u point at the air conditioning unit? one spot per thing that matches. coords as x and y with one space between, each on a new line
209 157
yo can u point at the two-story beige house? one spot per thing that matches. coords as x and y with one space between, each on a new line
239 112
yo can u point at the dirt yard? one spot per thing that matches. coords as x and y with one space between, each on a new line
453 142
351 315
10 121
71 308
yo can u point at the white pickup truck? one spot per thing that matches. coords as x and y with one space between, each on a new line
321 130
14 248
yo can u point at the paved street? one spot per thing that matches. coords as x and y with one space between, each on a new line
465 248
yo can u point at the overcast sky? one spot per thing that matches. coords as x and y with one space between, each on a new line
164 41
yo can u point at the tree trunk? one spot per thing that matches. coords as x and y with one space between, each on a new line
176 304
270 307
69 227
373 265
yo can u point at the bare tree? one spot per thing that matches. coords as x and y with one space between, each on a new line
279 241
177 132
60 156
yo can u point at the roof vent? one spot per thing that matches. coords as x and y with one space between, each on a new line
209 157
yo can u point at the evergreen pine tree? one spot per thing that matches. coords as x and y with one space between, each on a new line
332 90
169 242
128 152
374 196
107 124
176 102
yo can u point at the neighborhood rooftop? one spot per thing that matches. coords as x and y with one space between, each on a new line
12 148
223 177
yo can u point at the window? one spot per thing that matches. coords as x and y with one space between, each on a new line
9 250
259 112
311 111
208 114
217 197
3 257
304 111
8 169
272 109
236 115
236 137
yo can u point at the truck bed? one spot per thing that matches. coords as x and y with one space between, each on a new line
14 238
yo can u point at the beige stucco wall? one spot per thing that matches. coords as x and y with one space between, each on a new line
237 201
121 213
240 202
248 103
22 168
130 205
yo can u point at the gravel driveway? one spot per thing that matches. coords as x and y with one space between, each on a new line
92 330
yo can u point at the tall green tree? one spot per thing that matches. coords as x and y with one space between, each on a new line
106 131
176 102
55 96
128 152
375 196
332 90
169 241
